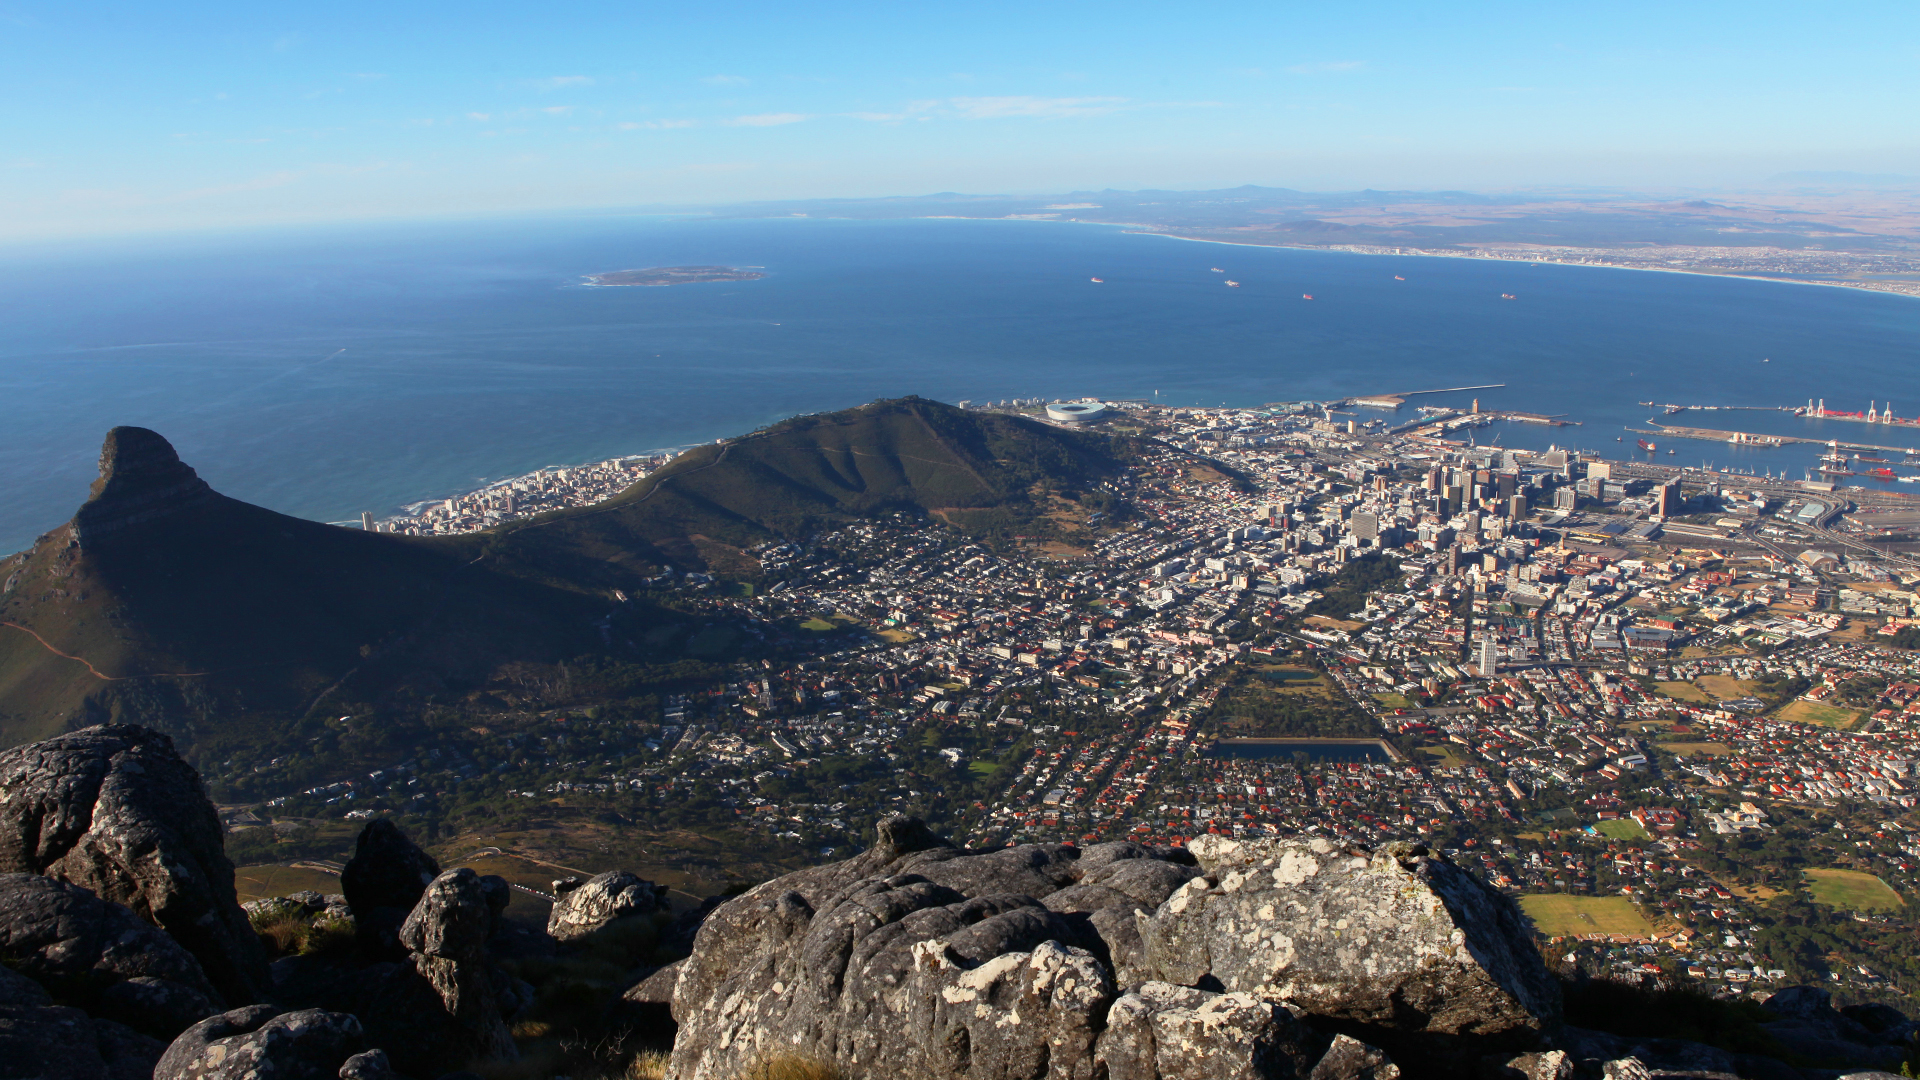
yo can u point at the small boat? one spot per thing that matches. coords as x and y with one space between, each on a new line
1616 438
1508 296
1233 284
1669 450
1397 277
1908 479
1306 296
1096 281
1217 270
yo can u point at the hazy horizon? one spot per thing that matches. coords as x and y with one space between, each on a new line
125 119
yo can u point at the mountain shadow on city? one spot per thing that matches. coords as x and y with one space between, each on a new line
166 602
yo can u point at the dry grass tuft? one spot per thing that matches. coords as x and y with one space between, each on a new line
791 1067
283 935
294 935
648 1065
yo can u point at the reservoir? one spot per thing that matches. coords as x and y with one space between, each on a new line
1344 751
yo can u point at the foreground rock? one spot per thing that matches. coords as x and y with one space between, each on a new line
1179 1033
100 956
446 1007
382 882
260 1042
39 1039
1805 1023
115 810
587 906
1405 947
917 959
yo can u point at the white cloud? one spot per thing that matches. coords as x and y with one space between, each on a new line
769 119
561 82
726 80
483 117
557 110
1327 67
877 117
366 75
654 125
996 108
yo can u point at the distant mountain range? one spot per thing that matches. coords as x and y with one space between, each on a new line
1791 211
165 602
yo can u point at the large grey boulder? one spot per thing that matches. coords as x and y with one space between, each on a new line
260 1042
51 1042
1169 1032
918 958
587 906
445 1007
1406 948
115 810
101 956
382 882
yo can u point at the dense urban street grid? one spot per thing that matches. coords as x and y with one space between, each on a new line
1676 712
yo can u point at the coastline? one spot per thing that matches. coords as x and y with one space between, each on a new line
1142 230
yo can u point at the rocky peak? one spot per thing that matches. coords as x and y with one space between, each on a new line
141 479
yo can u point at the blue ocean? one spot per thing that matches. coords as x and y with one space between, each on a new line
327 372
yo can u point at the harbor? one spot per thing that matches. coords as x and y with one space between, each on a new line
1747 438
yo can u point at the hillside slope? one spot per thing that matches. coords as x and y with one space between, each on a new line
975 471
163 597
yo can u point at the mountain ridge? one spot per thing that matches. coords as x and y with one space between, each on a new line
164 602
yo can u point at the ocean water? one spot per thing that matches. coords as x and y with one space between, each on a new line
326 372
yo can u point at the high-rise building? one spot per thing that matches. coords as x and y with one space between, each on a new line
1672 502
366 521
1517 507
1365 525
1599 470
1565 498
1489 657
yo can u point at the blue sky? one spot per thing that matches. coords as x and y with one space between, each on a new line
119 117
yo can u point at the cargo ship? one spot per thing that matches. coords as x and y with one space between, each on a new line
1645 445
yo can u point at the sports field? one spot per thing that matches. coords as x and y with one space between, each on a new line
1558 915
1807 712
1726 687
1696 749
1622 829
1851 890
1682 691
259 882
